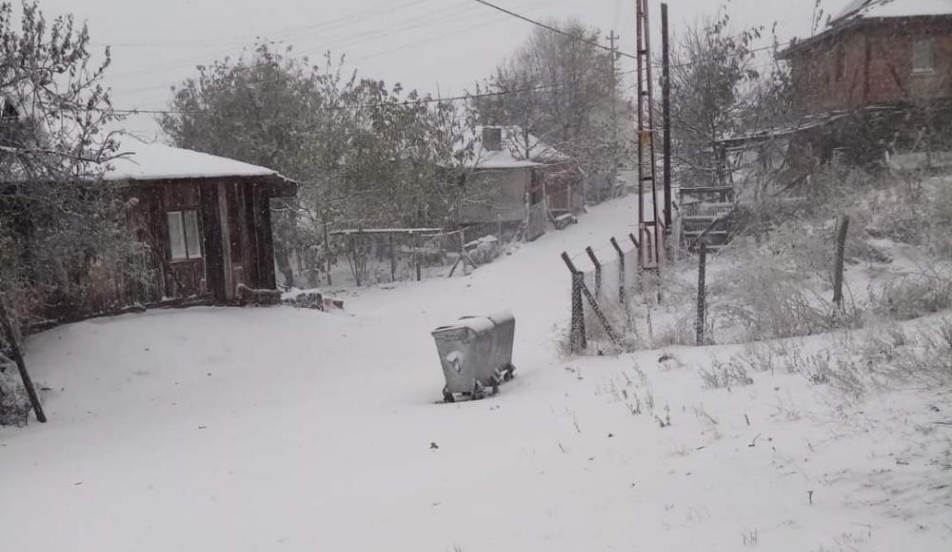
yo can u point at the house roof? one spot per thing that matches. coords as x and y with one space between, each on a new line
857 12
874 9
154 161
519 150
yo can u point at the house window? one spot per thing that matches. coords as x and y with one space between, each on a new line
923 55
840 63
184 240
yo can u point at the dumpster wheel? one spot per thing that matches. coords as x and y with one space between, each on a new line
448 396
510 373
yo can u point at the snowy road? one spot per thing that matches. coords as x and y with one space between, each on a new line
279 429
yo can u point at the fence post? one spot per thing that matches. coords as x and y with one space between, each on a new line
577 341
701 293
354 256
842 228
598 271
622 298
416 251
327 253
393 261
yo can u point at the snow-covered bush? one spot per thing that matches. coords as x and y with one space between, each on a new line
914 295
14 402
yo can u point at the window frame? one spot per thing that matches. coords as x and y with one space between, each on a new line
182 215
839 63
932 44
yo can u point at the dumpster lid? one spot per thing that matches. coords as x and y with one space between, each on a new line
477 324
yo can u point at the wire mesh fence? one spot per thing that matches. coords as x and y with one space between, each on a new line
608 285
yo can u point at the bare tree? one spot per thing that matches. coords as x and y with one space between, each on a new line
711 73
560 87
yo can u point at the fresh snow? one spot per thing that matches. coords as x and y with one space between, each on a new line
872 9
286 429
155 161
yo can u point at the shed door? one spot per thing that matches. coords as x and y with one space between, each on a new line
185 251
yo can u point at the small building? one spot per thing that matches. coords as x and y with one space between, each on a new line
517 180
876 53
876 83
205 222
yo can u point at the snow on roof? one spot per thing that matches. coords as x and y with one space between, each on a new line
154 161
875 9
519 150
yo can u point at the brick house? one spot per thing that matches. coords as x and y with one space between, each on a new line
876 53
876 82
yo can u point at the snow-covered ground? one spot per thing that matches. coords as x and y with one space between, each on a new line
283 429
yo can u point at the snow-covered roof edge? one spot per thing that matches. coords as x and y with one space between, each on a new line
520 150
868 11
143 161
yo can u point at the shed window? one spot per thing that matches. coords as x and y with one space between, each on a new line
184 236
923 55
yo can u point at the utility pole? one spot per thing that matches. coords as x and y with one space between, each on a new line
646 143
614 100
666 114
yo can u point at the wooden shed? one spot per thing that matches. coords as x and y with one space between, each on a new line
205 221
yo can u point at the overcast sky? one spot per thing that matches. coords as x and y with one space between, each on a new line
423 44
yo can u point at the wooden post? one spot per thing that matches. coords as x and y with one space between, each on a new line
327 252
701 293
598 271
841 231
11 337
393 261
577 340
666 115
416 251
353 255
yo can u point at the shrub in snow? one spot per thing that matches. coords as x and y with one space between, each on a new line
913 295
14 402
484 250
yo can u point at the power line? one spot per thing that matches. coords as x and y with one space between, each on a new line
421 101
556 30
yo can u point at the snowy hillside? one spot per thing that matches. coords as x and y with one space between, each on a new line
283 429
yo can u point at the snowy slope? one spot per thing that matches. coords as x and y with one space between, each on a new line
282 429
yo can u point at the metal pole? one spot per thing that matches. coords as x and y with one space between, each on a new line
598 271
639 14
613 100
577 340
621 274
666 112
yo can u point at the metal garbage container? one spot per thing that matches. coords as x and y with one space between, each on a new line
466 352
503 338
